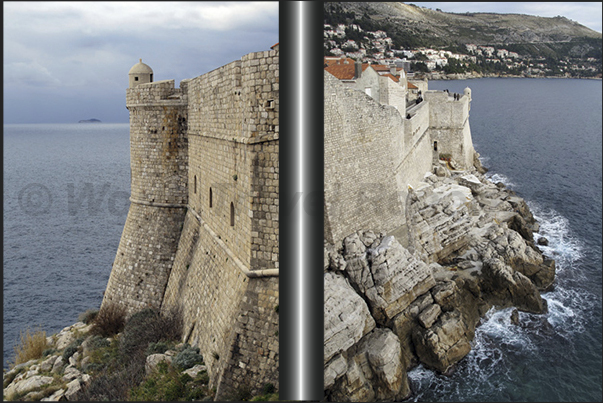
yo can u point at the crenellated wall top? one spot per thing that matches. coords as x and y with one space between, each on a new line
158 93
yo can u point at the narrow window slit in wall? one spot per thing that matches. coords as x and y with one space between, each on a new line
210 198
232 214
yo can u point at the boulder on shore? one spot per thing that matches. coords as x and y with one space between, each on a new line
389 307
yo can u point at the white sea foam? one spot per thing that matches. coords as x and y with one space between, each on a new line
563 246
558 312
482 159
498 329
497 177
496 337
565 303
484 366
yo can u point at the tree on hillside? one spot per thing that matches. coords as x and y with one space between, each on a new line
420 66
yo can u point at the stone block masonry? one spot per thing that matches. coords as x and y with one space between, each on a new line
159 196
202 231
375 153
364 143
144 257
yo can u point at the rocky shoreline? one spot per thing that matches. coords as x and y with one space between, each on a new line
32 380
416 295
471 75
67 368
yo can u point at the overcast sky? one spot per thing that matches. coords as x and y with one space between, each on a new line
587 13
66 61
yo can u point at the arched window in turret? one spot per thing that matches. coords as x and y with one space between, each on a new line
232 214
435 146
210 198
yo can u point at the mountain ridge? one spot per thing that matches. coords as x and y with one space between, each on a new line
481 28
412 26
482 43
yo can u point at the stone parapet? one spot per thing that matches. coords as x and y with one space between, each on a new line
156 93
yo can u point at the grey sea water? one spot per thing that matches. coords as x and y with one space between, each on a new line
542 137
66 189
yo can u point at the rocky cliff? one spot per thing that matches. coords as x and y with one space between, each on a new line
393 303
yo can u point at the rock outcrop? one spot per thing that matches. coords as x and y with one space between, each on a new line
52 377
74 372
390 306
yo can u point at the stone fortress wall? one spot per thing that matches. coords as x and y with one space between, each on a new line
363 144
369 145
409 289
204 163
158 162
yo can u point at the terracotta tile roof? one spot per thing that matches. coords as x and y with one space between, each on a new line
344 71
390 75
411 86
273 46
337 60
341 71
380 67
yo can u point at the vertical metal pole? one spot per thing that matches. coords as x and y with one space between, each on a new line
301 201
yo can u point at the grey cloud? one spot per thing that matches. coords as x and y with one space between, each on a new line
29 74
60 57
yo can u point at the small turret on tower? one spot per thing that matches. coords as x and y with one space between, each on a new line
467 92
140 73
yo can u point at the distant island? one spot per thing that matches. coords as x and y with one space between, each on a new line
90 121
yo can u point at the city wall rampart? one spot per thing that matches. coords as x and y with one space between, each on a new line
370 146
417 125
394 94
363 145
202 231
449 126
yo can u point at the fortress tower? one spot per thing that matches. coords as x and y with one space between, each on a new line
201 234
159 192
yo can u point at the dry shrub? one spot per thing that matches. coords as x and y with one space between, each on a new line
32 345
149 326
109 321
88 316
113 385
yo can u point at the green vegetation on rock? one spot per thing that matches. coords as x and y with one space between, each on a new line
114 368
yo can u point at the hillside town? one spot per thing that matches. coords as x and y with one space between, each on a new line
376 47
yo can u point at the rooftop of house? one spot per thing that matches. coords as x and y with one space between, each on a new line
383 67
344 71
344 68
390 75
330 60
